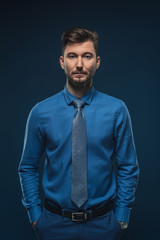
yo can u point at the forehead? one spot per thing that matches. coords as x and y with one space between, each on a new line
80 48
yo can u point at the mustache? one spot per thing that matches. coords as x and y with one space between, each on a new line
79 72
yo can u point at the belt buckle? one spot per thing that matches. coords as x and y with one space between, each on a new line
81 216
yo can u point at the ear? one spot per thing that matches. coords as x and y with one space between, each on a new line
61 61
98 60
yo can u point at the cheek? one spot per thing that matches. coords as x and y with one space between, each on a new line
68 67
92 68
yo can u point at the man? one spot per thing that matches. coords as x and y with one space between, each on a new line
81 131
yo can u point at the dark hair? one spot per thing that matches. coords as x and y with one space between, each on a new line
79 35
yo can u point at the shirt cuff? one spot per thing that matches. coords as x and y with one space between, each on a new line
122 214
34 213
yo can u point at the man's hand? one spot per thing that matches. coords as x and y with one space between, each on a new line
34 224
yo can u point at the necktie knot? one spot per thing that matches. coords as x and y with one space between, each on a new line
78 103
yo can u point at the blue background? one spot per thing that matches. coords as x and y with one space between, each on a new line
30 47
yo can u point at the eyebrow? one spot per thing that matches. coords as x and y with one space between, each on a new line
82 54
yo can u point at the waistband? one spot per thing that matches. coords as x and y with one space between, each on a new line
81 215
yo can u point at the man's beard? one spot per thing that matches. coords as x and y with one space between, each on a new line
80 85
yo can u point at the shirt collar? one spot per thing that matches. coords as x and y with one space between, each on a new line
87 98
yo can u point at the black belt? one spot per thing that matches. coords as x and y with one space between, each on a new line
81 215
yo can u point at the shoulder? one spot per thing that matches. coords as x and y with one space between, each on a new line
46 104
115 106
108 100
51 100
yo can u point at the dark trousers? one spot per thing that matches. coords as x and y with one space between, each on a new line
51 226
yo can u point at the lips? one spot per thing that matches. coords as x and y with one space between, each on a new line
79 73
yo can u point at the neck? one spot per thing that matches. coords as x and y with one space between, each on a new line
78 93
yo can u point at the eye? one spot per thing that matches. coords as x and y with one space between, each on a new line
88 56
71 56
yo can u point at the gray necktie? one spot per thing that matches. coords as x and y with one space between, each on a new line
79 188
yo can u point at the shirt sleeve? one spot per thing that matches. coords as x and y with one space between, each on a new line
34 144
127 164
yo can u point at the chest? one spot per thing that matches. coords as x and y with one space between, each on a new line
99 126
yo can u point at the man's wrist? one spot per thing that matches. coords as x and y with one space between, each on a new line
34 213
122 214
123 225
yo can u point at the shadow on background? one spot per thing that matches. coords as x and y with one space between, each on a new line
129 49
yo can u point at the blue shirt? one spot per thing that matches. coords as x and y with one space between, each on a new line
109 137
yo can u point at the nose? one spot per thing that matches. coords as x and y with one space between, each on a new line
79 64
